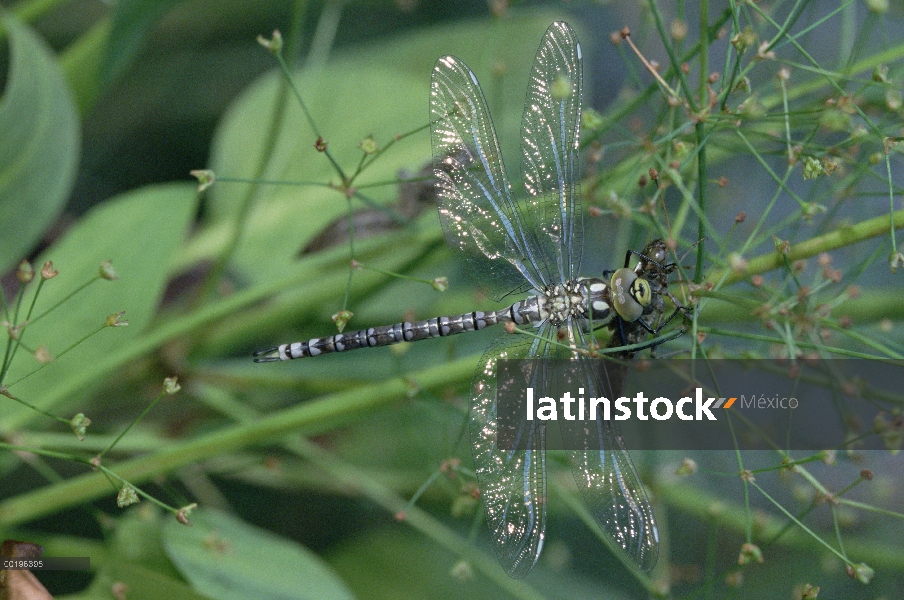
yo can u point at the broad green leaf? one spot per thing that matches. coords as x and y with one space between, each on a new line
377 89
224 557
139 232
132 20
39 143
394 562
140 583
362 101
79 61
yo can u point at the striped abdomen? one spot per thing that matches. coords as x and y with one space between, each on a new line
557 303
520 313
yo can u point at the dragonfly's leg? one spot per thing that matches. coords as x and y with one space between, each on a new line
667 268
649 329
679 308
621 331
656 330
628 257
678 303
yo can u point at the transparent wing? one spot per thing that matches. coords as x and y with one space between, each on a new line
539 238
615 496
512 482
550 135
609 483
478 213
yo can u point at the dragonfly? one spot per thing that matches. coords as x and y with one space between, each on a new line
532 242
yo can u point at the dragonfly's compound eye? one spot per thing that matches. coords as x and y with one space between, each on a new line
641 292
627 293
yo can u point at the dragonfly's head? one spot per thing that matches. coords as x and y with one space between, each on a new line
631 294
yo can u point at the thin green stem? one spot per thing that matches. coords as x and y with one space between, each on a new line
134 422
675 62
891 205
244 208
797 522
65 299
310 418
61 354
37 409
702 89
843 236
743 335
702 180
429 282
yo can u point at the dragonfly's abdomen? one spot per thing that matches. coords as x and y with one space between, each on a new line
525 312
577 299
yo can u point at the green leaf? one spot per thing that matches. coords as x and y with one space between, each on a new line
224 557
377 90
140 232
80 60
40 137
354 101
132 21
140 582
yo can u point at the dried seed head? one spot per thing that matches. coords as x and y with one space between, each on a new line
369 145
43 355
342 318
781 246
127 496
895 260
183 513
115 320
877 6
561 88
750 553
25 273
678 30
79 424
273 44
737 263
205 177
688 467
744 39
591 120
171 385
106 271
47 271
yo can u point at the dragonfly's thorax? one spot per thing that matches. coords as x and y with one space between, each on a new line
560 302
599 300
